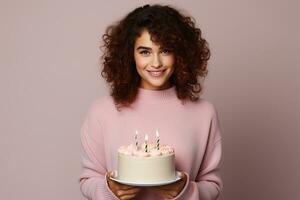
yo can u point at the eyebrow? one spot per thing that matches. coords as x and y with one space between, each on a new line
142 47
147 48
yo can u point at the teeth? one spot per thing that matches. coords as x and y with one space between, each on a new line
156 73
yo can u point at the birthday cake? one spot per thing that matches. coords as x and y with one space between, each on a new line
146 163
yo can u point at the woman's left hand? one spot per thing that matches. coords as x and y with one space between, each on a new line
172 190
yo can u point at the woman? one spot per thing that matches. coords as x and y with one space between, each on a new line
153 61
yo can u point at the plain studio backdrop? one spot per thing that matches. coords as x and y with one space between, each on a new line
49 76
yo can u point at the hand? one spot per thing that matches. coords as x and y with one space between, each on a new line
123 192
170 191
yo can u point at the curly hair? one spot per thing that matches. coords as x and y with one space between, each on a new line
167 27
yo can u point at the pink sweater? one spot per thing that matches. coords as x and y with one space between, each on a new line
192 129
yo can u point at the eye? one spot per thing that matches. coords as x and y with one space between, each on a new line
165 51
144 52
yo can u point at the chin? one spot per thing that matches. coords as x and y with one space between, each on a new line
156 85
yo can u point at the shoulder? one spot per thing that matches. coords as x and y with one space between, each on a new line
102 102
100 105
204 106
209 114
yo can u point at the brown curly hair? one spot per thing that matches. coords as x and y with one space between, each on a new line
167 27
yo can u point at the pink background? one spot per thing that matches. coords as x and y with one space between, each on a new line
49 56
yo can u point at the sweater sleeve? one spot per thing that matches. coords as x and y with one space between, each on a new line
93 184
208 184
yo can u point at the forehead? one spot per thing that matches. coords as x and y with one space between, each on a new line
145 40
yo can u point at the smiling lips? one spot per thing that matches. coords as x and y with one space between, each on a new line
156 73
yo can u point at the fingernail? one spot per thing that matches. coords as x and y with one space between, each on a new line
111 174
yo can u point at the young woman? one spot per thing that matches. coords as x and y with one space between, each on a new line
153 61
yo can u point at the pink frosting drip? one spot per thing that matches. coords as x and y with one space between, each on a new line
140 151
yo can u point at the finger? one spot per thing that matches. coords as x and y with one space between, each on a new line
111 174
128 192
181 174
127 187
173 193
168 194
132 191
121 186
168 197
126 197
118 186
165 196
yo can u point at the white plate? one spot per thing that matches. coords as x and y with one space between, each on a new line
157 183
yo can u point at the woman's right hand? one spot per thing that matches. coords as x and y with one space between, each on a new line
123 192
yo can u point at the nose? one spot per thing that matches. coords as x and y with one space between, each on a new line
156 62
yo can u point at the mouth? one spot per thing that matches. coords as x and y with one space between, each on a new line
156 73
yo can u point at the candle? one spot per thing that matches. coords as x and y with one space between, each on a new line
157 140
136 140
146 143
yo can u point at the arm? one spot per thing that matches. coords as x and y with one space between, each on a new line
93 184
208 183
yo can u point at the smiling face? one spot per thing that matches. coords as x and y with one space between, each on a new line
154 64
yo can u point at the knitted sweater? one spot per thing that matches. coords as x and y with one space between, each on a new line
191 128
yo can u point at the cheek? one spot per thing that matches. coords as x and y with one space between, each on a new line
169 62
140 62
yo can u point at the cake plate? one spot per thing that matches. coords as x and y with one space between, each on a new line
152 183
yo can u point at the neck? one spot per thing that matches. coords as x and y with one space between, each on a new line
149 96
149 87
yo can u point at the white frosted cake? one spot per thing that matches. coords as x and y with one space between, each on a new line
137 165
